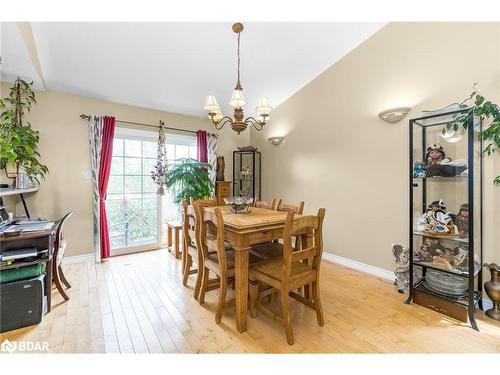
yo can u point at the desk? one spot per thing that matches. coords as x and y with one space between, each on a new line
40 240
5 192
243 230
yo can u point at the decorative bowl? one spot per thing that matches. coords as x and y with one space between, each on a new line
446 283
239 204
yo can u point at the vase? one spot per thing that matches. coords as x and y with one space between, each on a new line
492 288
22 181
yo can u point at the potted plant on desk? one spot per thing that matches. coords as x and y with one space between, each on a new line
18 140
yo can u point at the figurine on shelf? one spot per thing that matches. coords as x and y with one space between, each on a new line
419 170
442 263
433 251
452 259
437 164
246 173
460 258
462 220
437 221
435 155
430 248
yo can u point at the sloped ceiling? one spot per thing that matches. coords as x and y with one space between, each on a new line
173 66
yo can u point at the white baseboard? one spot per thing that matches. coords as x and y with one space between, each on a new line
86 258
380 272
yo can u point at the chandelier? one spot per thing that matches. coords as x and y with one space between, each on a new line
238 121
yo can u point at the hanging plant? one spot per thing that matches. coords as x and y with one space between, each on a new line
158 172
489 113
18 140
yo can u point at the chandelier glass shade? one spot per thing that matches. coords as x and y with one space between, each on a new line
238 121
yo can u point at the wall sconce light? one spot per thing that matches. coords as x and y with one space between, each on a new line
394 115
276 140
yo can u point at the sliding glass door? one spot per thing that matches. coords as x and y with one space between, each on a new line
135 212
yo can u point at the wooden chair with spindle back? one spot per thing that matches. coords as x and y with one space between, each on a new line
191 251
57 257
270 205
218 257
290 273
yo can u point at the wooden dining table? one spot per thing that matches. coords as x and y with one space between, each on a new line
242 230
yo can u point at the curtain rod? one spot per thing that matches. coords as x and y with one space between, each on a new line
87 117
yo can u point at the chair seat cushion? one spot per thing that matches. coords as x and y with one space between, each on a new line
273 268
267 250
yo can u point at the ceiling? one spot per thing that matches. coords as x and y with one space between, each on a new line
173 66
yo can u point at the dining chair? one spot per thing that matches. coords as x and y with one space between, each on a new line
218 258
57 257
289 272
299 209
270 205
275 249
191 251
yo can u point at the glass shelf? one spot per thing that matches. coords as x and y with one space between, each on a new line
454 239
456 272
442 178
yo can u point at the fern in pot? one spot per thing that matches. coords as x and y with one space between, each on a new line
189 179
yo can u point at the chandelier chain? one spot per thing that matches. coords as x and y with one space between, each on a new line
238 54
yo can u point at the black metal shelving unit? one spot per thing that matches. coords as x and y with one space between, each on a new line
424 190
247 185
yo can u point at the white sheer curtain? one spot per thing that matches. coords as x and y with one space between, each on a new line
212 157
95 124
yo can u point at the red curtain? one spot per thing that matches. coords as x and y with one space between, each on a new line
108 134
201 142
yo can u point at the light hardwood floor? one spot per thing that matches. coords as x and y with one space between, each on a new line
136 303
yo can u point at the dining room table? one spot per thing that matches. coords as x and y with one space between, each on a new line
242 230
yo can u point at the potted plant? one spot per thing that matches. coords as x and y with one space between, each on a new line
189 179
489 113
18 140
